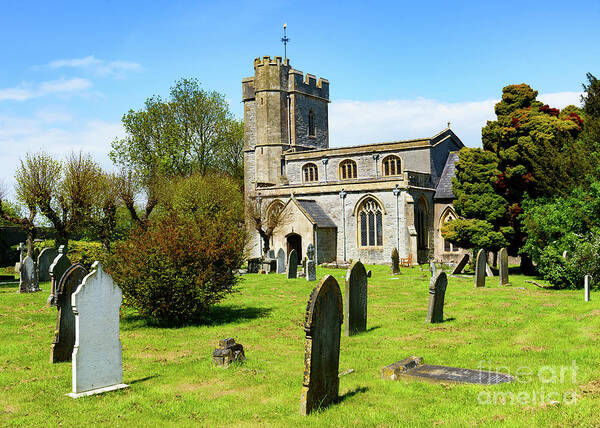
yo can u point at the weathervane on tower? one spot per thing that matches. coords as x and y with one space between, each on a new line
285 40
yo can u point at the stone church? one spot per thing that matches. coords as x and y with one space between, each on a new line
351 203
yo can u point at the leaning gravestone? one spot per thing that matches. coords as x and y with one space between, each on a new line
355 299
292 267
488 270
461 265
45 259
57 269
64 335
322 324
281 261
97 355
310 271
480 264
28 280
437 292
503 265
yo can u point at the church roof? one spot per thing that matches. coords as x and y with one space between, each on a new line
315 213
444 187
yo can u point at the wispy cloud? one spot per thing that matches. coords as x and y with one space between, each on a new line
97 66
363 122
26 91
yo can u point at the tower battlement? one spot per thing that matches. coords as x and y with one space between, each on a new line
266 61
308 84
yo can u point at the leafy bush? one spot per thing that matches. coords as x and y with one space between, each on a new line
183 261
84 252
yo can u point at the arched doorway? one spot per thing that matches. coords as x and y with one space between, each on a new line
294 242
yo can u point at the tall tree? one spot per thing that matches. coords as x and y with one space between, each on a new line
591 111
12 216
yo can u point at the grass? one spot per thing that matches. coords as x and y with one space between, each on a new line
522 329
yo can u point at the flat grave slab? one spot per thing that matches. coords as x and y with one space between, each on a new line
413 367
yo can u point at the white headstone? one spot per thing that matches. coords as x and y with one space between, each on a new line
281 261
97 354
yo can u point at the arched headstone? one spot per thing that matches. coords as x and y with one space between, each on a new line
480 264
281 261
97 354
64 335
292 267
310 269
503 262
57 269
355 299
45 259
322 325
437 293
28 279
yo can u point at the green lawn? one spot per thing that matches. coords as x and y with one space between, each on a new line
525 329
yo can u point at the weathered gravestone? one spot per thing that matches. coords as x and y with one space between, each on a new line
28 281
271 254
503 266
310 271
480 264
97 355
21 252
322 324
395 261
586 285
488 270
45 259
437 292
57 269
432 268
281 261
64 335
461 265
228 352
355 299
292 267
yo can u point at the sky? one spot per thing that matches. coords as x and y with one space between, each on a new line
397 70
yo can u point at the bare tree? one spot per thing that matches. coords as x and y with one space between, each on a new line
26 223
265 221
133 186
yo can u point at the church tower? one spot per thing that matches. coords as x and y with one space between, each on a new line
283 110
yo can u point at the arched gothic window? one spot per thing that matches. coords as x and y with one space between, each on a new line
310 172
449 215
311 123
392 165
347 169
370 224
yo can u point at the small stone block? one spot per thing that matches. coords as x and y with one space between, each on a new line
394 370
226 343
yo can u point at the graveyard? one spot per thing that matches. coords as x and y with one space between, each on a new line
547 339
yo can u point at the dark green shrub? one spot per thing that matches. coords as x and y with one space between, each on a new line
183 262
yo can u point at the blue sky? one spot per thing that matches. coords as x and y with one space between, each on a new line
397 70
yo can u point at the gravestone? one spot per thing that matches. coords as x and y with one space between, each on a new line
271 254
355 299
57 269
503 265
292 267
228 352
461 265
21 252
322 324
480 264
64 335
432 268
97 355
310 270
281 261
488 270
395 261
437 293
45 259
28 280
586 284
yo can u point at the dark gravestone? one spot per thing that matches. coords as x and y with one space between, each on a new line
503 262
57 269
64 335
28 279
292 267
395 261
228 352
271 254
480 263
254 265
323 324
45 259
461 265
281 261
437 292
355 299
310 270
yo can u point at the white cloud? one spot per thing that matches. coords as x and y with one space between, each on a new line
363 122
26 92
97 66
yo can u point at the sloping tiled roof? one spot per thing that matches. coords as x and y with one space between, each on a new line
444 187
314 210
